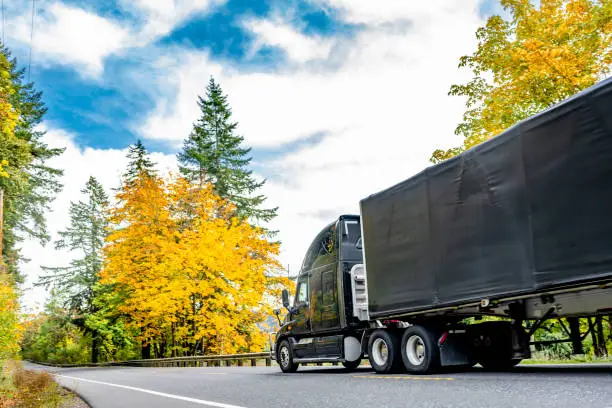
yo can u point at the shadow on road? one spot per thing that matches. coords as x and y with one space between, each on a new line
565 369
326 370
548 370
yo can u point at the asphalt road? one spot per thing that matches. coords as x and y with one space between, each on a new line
316 387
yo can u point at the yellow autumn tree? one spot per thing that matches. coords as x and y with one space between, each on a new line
191 277
9 144
10 330
540 56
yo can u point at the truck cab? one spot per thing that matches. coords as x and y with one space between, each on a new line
320 325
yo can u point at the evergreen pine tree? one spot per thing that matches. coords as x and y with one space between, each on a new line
139 163
32 185
213 152
86 235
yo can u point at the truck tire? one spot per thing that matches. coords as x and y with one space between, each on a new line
420 351
384 352
351 365
284 356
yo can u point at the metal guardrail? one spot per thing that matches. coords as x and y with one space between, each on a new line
226 360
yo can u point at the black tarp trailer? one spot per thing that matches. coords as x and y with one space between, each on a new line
527 211
518 227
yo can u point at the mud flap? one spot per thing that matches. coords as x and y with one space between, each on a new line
454 349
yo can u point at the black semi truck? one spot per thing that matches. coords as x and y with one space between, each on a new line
518 227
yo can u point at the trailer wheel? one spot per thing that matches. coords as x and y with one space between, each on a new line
285 358
420 353
384 352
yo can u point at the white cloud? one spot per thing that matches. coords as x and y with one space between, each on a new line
163 15
385 11
381 99
299 47
71 36
78 165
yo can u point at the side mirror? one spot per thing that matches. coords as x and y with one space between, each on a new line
285 298
277 313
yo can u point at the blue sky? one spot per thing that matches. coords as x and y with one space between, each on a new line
323 90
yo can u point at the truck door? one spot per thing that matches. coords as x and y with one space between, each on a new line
323 288
301 318
323 295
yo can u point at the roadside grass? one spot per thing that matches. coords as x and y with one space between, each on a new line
572 360
25 388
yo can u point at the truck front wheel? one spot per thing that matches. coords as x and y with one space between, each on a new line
384 352
285 358
351 365
420 353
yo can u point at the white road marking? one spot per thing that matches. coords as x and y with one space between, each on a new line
160 394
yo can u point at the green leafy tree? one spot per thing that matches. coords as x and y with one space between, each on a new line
213 152
86 235
115 341
31 184
52 336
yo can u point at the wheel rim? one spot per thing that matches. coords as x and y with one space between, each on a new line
415 350
284 356
380 352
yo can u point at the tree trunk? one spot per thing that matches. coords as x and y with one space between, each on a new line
594 337
1 230
173 352
146 351
574 325
601 339
94 347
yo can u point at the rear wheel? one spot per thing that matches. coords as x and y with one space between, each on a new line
384 352
284 357
420 353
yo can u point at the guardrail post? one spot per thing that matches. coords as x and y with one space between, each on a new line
239 363
253 362
268 362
